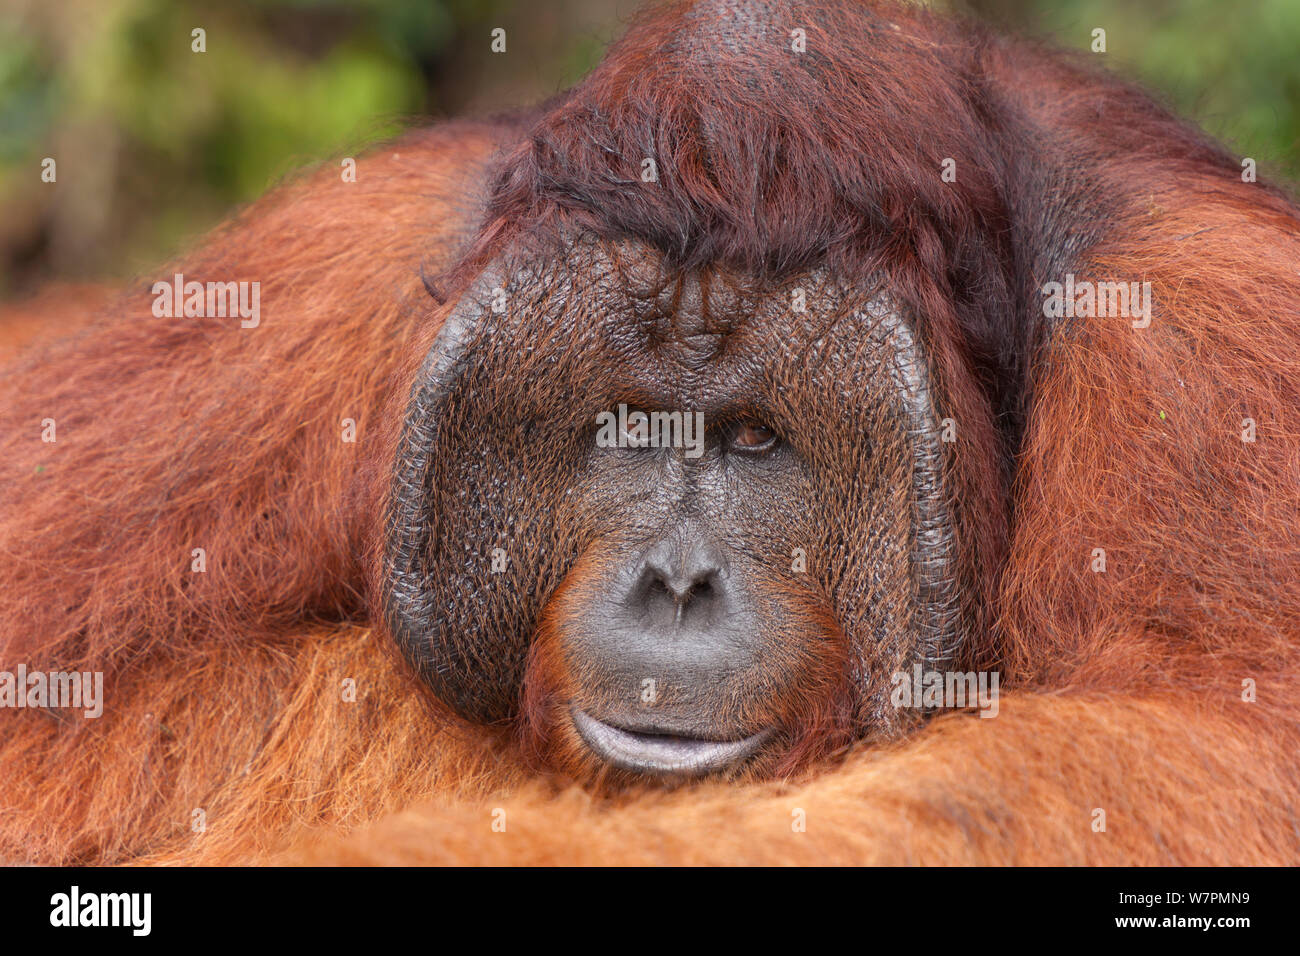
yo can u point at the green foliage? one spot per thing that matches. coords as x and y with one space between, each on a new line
281 83
1233 68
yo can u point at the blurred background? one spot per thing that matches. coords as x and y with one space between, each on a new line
155 144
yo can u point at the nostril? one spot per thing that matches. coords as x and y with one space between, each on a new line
681 587
675 583
676 596
656 587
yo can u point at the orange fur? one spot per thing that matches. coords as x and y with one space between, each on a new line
1123 690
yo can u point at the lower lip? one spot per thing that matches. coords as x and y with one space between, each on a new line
662 754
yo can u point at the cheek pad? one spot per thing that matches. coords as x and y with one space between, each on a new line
477 536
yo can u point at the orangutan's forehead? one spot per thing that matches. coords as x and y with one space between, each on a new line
699 333
701 304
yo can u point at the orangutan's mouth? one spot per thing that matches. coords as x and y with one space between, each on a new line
662 753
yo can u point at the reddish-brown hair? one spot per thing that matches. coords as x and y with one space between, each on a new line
1162 691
